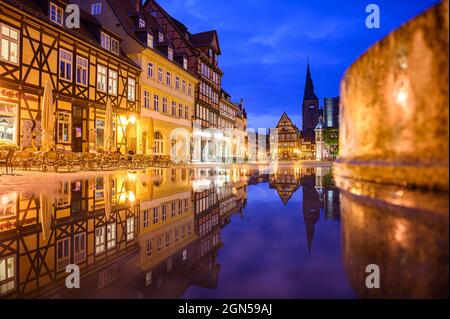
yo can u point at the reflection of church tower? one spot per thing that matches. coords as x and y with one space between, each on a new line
311 207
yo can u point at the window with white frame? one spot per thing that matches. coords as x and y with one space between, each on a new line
105 41
115 48
146 218
149 248
65 65
63 253
186 112
183 86
170 54
160 37
174 108
159 144
131 89
96 8
150 70
79 248
146 99
9 44
141 23
180 110
163 213
100 244
156 102
130 228
111 235
155 215
101 78
177 83
189 89
64 127
149 40
160 74
81 71
168 78
56 14
112 82
7 274
185 63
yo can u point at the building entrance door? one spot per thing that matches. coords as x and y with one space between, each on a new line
77 125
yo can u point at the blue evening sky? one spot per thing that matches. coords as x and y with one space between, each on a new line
265 45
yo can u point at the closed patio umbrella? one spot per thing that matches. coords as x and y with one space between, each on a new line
107 185
108 139
48 118
45 214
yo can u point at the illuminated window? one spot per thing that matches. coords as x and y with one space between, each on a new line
96 8
100 244
150 70
56 14
65 65
101 78
159 144
164 105
63 253
149 40
141 23
185 63
146 99
9 44
79 246
111 235
163 212
146 218
131 89
174 108
115 48
64 127
155 215
130 228
170 54
160 37
168 79
105 41
112 82
7 274
160 74
156 102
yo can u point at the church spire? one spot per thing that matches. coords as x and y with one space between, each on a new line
309 86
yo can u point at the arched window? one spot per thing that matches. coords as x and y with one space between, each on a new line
159 144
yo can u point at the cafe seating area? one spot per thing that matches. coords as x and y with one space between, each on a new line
67 161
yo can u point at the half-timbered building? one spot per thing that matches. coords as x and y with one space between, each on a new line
288 139
85 67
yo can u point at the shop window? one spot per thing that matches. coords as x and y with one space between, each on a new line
8 122
7 274
100 240
9 44
100 127
64 127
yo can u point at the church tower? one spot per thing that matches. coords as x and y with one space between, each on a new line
310 108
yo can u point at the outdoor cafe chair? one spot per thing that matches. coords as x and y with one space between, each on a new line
7 160
51 159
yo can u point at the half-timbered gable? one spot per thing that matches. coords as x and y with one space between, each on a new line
84 66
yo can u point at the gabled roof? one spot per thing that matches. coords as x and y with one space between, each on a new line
205 39
285 117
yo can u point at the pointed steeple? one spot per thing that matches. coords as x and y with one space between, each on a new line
309 86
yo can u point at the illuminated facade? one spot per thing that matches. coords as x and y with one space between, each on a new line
288 139
84 67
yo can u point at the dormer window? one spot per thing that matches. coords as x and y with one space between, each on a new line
210 53
149 40
115 46
170 54
56 14
96 9
185 63
105 41
160 37
141 23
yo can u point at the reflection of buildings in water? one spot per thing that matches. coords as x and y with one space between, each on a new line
133 235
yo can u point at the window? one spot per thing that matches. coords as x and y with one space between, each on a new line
96 8
174 209
141 23
105 41
146 218
180 110
210 53
149 40
185 63
9 44
56 14
177 83
131 89
183 87
100 240
65 65
184 254
159 144
111 235
160 37
160 74
167 239
170 54
7 274
168 79
81 71
130 228
64 127
186 112
101 78
63 253
312 106
100 128
190 89
156 102
155 215
147 99
164 105
163 212
148 276
150 70
112 82
174 108
115 46
79 246
149 248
